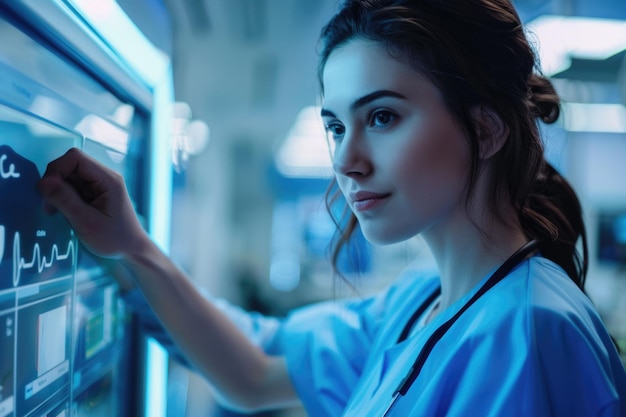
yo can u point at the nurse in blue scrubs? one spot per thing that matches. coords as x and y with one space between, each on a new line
433 109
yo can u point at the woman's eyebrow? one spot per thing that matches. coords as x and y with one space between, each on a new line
374 96
327 113
362 101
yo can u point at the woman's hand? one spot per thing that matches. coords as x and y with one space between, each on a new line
94 200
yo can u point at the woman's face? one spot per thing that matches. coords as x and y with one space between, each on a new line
400 159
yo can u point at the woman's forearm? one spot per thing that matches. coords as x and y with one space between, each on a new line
243 376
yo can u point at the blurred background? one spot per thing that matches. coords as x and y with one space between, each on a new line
248 220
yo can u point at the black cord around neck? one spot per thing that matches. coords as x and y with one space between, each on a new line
496 277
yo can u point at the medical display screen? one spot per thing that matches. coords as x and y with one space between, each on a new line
64 330
38 253
61 315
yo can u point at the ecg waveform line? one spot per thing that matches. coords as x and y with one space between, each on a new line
41 262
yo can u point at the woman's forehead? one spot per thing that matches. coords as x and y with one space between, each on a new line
360 67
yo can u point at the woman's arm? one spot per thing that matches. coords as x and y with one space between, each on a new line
95 201
242 374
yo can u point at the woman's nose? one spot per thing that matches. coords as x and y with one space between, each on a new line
351 157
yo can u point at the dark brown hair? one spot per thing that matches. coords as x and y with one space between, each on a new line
477 54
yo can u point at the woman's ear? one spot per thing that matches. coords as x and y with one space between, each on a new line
491 131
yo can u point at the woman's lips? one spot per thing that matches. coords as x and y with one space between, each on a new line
366 200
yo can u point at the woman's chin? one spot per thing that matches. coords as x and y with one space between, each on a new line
385 236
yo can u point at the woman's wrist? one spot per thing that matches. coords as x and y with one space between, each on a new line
140 248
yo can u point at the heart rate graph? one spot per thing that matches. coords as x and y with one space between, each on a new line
38 261
34 246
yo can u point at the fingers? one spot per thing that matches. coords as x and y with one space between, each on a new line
78 186
61 196
85 177
94 200
76 164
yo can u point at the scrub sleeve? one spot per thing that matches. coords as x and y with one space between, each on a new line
328 345
260 329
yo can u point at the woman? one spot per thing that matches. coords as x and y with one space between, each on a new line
431 106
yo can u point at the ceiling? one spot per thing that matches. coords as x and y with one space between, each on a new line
246 67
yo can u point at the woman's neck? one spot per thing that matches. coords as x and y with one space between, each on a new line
466 251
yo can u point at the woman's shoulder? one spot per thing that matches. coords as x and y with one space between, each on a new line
547 291
568 342
543 340
549 311
537 304
539 285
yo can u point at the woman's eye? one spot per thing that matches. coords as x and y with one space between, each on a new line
381 118
335 130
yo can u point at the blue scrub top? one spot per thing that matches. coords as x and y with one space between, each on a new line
533 345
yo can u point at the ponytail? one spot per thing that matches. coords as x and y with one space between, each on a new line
551 212
553 215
